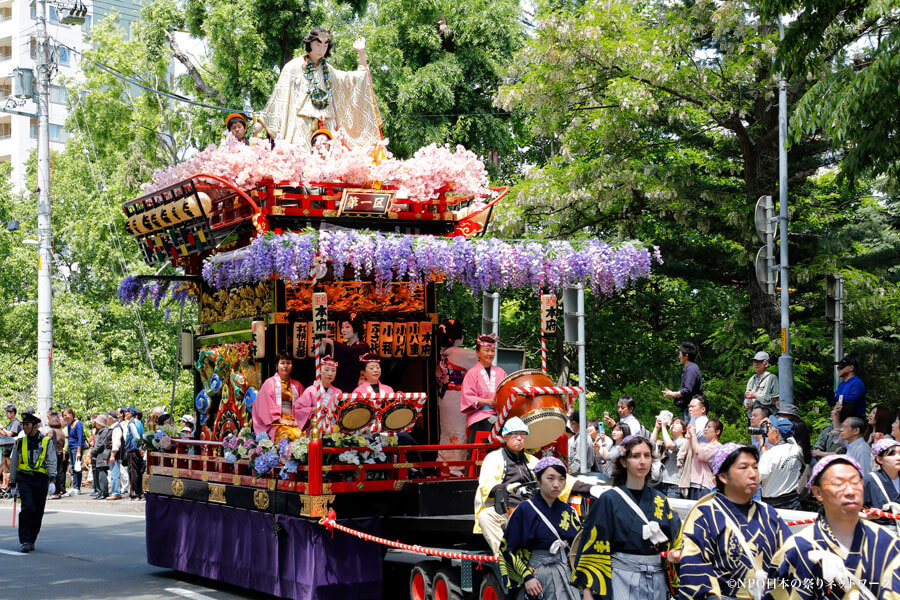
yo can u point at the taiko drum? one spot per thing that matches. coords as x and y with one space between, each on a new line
544 414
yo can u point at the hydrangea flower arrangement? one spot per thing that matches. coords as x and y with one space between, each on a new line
265 456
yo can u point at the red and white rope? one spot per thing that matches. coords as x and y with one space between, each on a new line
417 396
564 390
330 523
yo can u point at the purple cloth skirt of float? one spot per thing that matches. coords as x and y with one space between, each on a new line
238 546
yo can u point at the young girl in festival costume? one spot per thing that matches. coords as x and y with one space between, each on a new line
840 556
533 553
307 403
274 410
479 389
455 362
625 531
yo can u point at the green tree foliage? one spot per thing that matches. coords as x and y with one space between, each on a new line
851 49
662 117
436 66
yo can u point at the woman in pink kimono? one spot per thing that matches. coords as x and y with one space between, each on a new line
306 405
479 389
273 410
372 372
372 385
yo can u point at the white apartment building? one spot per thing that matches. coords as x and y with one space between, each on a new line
18 25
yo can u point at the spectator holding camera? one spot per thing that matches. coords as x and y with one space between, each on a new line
780 465
759 426
667 449
625 407
701 453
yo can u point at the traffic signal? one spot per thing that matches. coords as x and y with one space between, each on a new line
766 227
834 298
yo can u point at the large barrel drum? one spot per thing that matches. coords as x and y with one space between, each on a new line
544 414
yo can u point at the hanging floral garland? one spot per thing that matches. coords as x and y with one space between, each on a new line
138 289
487 263
317 95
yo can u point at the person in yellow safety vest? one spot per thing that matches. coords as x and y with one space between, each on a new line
32 472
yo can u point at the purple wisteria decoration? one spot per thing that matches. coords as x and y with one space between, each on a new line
135 289
481 264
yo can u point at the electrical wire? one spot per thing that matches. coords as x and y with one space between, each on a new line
110 224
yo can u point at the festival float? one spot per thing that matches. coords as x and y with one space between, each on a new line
278 244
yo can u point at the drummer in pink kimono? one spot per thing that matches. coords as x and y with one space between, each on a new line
371 364
479 389
306 406
273 409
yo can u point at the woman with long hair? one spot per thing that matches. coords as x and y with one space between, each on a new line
881 420
455 361
625 531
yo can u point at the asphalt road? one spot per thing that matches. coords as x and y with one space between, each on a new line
94 550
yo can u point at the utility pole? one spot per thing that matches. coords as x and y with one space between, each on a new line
785 361
573 319
45 67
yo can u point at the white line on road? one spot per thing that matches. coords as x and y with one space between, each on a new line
81 512
11 552
189 594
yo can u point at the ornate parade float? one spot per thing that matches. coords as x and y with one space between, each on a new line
278 244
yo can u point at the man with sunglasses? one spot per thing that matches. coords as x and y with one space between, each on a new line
312 95
840 555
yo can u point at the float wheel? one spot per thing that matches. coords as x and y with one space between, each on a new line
421 580
490 588
446 585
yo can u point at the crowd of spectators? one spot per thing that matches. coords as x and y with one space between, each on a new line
686 442
105 452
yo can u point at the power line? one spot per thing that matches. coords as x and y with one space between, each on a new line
110 224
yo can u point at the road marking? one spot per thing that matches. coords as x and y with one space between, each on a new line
11 552
189 594
82 512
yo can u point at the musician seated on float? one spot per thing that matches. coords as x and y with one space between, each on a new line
306 406
371 364
507 479
277 411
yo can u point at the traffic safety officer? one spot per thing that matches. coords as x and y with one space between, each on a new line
32 471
